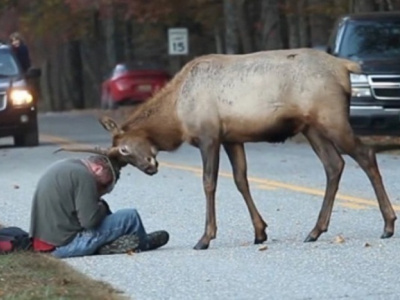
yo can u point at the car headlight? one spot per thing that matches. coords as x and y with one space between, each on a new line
360 92
20 97
358 78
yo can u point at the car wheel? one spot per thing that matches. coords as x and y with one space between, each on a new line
107 102
27 139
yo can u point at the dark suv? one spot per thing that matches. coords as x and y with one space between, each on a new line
372 39
18 100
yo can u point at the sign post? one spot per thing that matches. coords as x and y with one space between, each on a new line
178 41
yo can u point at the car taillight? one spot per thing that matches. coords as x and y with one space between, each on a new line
122 84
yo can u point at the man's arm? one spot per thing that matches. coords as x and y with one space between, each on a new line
89 209
108 210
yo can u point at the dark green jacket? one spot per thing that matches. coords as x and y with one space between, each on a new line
66 201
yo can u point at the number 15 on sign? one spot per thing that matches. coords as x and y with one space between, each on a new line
178 41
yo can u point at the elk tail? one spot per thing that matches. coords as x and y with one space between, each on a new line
351 66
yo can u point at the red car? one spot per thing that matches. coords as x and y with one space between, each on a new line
132 82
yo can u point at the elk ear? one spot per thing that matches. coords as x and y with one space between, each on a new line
110 125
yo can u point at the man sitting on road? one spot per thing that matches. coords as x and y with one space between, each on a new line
69 218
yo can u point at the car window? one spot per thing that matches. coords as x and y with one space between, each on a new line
371 38
118 70
8 64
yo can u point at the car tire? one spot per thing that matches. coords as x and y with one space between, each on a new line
28 139
107 102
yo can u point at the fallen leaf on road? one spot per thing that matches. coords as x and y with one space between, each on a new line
339 239
263 248
130 252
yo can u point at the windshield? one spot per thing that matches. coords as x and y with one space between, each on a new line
8 65
371 38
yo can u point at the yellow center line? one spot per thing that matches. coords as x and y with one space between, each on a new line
60 140
340 202
349 201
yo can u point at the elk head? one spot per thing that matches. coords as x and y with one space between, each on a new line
134 147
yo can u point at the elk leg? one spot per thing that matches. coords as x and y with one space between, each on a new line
237 157
365 156
210 156
333 164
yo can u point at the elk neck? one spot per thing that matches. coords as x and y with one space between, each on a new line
157 119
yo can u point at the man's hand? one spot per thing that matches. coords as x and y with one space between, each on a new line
103 202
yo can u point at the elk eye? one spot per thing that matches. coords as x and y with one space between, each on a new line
124 150
149 159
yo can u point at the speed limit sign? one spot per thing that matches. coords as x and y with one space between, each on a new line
178 41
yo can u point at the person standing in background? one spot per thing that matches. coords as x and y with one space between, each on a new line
21 51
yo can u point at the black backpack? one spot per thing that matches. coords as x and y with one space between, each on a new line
14 239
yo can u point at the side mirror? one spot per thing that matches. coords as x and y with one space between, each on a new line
33 73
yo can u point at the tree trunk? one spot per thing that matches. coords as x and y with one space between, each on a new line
46 100
304 28
284 25
56 81
218 39
94 73
271 26
292 16
385 5
76 76
128 41
109 33
362 5
243 27
231 39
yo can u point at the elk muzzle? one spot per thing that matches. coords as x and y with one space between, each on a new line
151 167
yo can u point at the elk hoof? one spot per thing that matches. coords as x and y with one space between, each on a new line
261 240
386 235
201 246
310 239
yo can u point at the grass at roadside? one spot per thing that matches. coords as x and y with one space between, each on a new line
34 276
38 276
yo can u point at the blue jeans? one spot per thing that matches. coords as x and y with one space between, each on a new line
122 222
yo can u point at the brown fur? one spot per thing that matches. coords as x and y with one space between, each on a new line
228 100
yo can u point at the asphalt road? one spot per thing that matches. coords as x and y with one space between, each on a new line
287 183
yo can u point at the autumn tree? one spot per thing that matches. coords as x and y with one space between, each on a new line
77 42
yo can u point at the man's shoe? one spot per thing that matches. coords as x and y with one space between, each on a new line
156 240
121 245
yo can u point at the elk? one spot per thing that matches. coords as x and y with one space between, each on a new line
269 96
